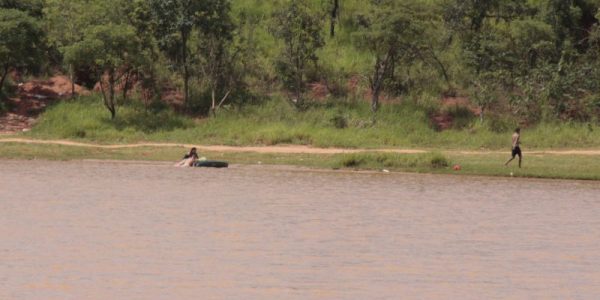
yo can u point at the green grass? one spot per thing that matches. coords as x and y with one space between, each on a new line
275 122
392 161
536 166
488 164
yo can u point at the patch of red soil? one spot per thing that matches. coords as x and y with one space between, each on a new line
32 98
12 123
353 83
443 119
173 97
461 102
318 91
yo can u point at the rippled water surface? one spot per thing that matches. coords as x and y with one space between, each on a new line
92 230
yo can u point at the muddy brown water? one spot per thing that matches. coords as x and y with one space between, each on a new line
102 230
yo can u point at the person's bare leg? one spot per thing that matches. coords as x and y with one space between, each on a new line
520 159
506 164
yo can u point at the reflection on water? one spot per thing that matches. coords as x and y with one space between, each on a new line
136 231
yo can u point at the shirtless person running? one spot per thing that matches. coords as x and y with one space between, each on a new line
516 149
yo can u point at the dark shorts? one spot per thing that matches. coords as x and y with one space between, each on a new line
516 151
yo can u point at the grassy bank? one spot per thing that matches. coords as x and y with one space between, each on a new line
488 164
335 124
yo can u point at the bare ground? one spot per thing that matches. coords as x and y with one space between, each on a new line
31 100
287 149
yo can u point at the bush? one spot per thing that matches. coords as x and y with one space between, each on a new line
86 117
3 105
500 124
339 121
431 104
200 100
397 161
461 116
438 161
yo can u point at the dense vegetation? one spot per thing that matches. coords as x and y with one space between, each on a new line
276 122
518 61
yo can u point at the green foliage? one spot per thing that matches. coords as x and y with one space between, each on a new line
394 34
21 42
277 122
530 62
216 54
339 121
31 7
300 31
174 22
85 118
438 161
501 124
379 161
111 50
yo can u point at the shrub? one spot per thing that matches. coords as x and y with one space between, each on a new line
461 116
438 161
339 121
392 161
500 124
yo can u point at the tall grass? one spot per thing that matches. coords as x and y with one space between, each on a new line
394 161
86 118
405 125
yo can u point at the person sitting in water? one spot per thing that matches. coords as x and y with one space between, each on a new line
189 159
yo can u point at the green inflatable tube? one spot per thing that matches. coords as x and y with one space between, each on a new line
211 164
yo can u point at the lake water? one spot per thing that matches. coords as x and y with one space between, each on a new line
103 230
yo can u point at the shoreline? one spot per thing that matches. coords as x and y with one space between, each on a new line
545 164
299 168
291 148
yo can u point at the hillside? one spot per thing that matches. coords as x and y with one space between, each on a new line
461 65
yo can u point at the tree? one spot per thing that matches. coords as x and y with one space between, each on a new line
111 49
175 20
31 7
21 42
485 91
393 33
471 15
139 15
571 20
214 49
300 31
65 20
334 14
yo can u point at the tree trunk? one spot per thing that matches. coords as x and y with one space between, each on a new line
442 68
334 16
299 71
213 107
106 99
111 96
186 75
4 75
375 100
481 114
72 78
126 86
376 82
113 113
